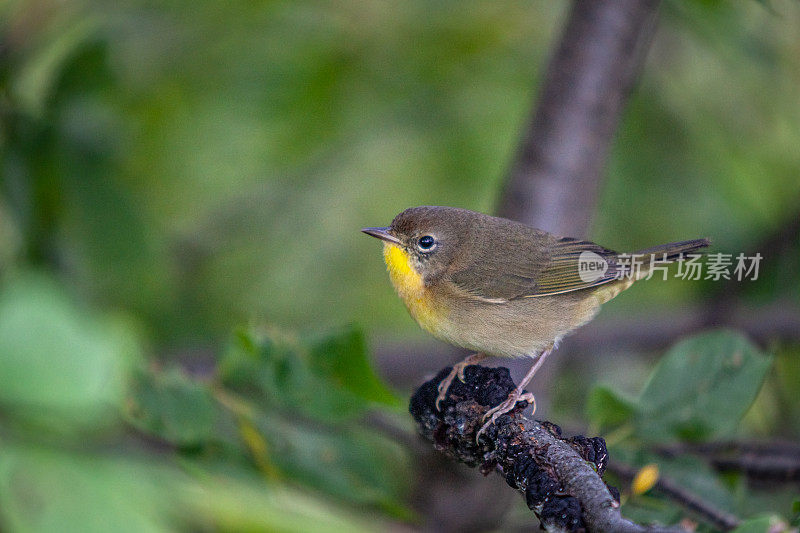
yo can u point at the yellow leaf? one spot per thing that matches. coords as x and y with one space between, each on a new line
258 447
645 479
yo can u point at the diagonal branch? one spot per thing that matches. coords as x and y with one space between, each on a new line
769 462
554 180
692 502
559 476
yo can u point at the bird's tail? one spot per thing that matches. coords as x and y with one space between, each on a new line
673 250
637 265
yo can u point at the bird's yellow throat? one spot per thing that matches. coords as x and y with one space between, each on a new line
411 287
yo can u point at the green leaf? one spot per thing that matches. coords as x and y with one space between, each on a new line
759 524
47 490
312 376
342 357
698 478
647 509
219 503
352 464
171 406
37 77
60 367
267 378
701 388
608 408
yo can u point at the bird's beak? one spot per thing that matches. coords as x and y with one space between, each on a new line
382 234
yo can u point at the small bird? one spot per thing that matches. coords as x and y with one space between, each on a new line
501 288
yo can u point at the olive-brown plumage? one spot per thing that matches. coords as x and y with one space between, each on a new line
499 287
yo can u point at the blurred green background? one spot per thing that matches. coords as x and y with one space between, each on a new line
202 165
172 171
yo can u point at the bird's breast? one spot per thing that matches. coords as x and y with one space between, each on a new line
410 286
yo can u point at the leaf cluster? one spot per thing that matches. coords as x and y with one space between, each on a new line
94 438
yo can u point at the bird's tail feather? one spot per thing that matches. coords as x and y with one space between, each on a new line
639 264
673 250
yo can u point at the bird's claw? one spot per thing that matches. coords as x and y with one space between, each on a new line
444 385
457 370
496 412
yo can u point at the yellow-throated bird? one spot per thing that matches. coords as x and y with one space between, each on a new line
502 288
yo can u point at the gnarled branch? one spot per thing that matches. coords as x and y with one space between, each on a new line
560 477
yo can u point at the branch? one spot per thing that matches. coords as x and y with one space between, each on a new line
559 476
771 462
554 180
717 517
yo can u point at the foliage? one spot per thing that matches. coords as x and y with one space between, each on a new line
170 171
274 437
327 378
699 392
701 388
78 398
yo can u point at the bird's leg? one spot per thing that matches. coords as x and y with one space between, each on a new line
458 370
516 395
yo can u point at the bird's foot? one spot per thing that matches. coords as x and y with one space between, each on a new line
496 412
458 370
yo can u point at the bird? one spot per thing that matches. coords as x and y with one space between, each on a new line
500 288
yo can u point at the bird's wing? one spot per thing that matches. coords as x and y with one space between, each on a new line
521 268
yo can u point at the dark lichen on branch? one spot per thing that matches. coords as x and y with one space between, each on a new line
559 476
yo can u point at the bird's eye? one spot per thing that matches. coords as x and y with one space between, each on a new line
426 242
